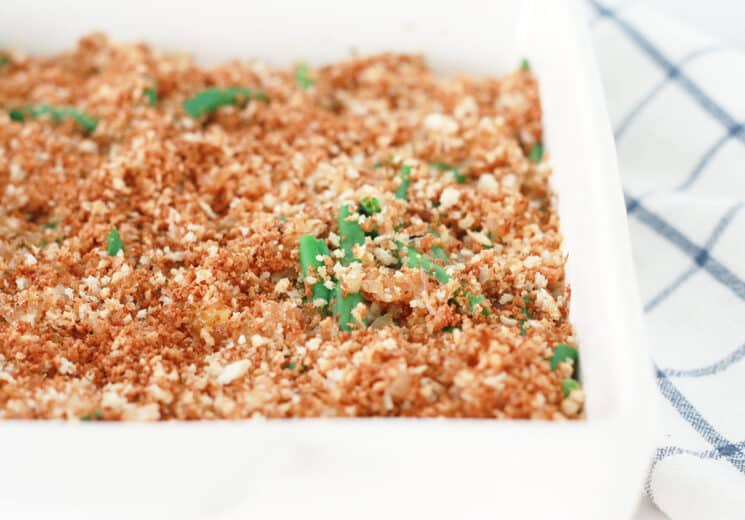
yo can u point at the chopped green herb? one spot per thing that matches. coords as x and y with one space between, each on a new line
84 121
151 93
459 177
343 307
51 225
209 100
439 253
567 385
449 329
387 162
474 300
434 232
564 352
96 415
522 328
114 243
440 166
302 76
350 233
16 115
403 188
282 218
370 206
536 153
526 310
416 260
524 64
3 60
289 366
310 249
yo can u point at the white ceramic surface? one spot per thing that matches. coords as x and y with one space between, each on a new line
371 468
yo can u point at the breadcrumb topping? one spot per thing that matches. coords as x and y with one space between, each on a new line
197 307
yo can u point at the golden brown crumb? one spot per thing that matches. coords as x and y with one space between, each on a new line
204 313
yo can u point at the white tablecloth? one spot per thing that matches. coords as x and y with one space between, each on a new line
677 103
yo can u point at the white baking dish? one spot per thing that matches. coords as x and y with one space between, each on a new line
371 468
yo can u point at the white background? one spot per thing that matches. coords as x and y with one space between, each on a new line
722 19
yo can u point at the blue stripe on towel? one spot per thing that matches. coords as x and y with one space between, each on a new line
621 129
728 216
728 450
708 370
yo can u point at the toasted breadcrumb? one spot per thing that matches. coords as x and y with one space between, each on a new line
204 313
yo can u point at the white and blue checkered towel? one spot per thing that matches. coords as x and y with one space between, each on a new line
677 105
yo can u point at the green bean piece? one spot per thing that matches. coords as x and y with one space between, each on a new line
310 249
439 253
343 307
350 233
416 260
403 188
